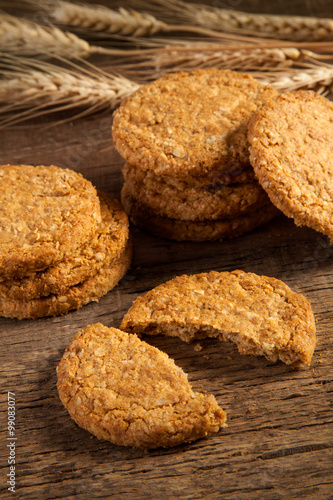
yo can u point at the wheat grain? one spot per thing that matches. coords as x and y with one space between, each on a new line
100 18
318 78
296 28
26 37
23 37
39 87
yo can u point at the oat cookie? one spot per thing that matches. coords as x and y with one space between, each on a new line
291 151
176 199
130 393
191 126
45 214
143 217
75 297
106 245
262 315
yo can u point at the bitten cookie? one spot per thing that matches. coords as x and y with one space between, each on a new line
291 139
262 315
191 126
130 393
45 214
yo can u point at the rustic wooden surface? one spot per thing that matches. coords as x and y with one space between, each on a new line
278 443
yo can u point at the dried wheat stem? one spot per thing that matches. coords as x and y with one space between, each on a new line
125 22
318 78
38 85
296 28
25 37
99 18
21 36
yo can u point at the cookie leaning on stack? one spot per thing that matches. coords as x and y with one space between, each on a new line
62 244
184 138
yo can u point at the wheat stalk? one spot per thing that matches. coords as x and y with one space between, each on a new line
318 78
27 38
22 36
38 87
99 18
296 28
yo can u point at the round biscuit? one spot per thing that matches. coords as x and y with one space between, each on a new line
45 214
291 139
75 297
180 230
107 244
177 199
191 126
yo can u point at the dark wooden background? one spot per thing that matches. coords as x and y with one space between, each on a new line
278 444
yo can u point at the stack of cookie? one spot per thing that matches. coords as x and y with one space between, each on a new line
184 137
62 244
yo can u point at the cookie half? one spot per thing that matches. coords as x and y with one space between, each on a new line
262 315
191 126
130 393
75 297
144 217
291 139
107 244
176 199
45 214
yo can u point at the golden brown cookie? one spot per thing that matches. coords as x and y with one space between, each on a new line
262 315
130 393
105 245
174 229
176 199
75 297
291 140
191 126
45 214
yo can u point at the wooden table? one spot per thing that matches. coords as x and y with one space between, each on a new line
278 443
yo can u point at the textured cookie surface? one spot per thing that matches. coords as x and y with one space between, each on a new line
45 214
291 151
262 315
173 198
191 125
130 393
180 230
75 297
106 244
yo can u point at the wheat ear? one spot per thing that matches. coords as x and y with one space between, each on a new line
100 19
310 77
24 37
36 87
296 28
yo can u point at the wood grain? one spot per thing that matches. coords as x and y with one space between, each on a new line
278 443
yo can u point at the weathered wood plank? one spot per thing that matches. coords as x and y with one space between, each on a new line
279 440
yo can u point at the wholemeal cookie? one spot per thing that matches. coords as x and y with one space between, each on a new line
262 315
45 214
75 297
191 126
181 230
291 151
130 393
177 199
105 245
